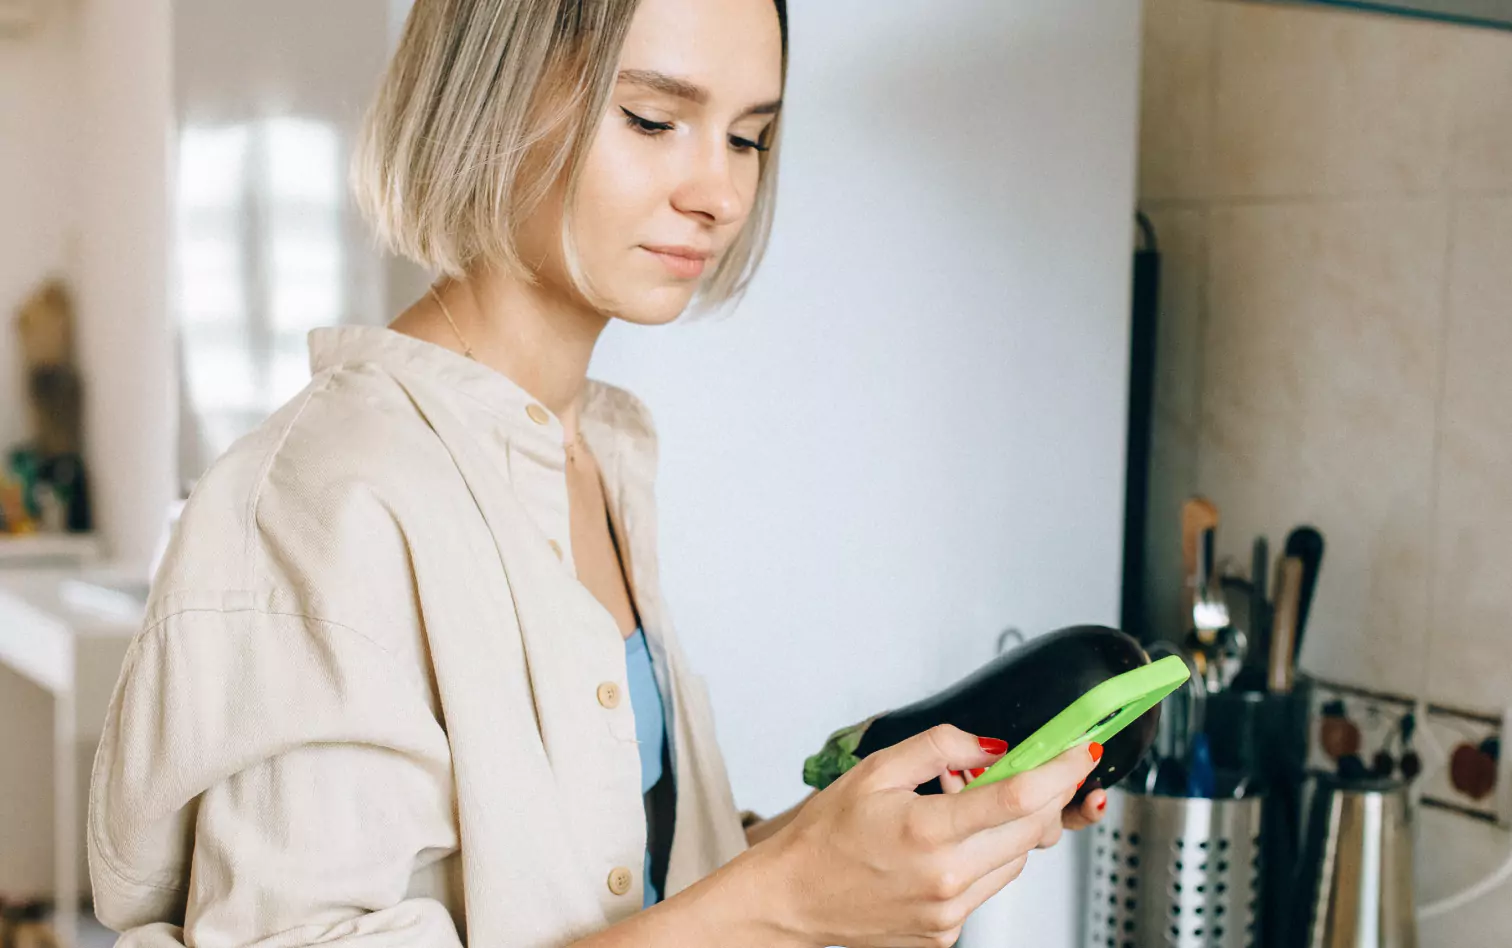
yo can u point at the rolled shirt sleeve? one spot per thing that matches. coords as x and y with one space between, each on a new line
269 779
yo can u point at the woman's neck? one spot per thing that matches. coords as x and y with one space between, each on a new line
540 341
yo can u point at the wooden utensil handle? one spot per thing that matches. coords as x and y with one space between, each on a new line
1284 627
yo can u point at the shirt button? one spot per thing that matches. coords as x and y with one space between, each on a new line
556 548
537 414
619 880
609 695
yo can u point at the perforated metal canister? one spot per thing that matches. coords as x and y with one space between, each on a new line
1173 872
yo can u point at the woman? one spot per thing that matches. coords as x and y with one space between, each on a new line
406 676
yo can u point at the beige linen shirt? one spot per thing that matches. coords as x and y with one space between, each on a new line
372 705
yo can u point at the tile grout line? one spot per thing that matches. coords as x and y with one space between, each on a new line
1435 476
1199 395
1215 33
1432 583
1324 200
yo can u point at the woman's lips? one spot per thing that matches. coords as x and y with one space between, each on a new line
685 263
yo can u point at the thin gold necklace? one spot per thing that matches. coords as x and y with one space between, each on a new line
466 346
571 445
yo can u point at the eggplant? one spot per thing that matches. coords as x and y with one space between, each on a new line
1009 698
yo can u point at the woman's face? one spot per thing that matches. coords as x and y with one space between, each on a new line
672 174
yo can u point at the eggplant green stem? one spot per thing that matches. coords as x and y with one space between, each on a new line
837 756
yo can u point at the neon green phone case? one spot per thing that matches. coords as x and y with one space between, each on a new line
1095 716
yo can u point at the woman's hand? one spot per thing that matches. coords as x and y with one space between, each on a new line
1091 810
869 862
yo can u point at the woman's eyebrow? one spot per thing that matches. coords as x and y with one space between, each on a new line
683 89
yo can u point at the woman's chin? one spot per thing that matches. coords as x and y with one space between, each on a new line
656 306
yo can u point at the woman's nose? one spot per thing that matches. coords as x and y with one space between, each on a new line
710 189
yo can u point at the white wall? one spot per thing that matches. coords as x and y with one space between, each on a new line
39 117
125 342
911 434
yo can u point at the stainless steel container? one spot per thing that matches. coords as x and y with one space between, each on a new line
1355 874
1176 872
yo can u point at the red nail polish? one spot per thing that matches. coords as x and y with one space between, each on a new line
992 745
1102 805
1079 784
978 772
957 773
1096 750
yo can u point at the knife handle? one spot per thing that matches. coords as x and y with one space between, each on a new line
1284 625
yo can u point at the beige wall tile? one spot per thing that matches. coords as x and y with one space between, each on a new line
1313 101
1182 234
1175 95
1320 372
1483 110
1173 478
1454 853
1471 660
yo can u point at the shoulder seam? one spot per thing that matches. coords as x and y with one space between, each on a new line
158 623
104 845
249 558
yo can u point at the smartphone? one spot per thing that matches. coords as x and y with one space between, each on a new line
1094 717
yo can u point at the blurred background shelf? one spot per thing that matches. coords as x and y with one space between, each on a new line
49 550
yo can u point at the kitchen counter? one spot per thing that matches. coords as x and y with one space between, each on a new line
67 631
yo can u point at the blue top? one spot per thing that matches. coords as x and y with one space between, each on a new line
650 729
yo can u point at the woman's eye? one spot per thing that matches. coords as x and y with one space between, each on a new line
745 144
643 125
647 127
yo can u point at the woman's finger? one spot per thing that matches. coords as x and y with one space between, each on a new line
922 757
991 849
1092 809
990 807
954 781
991 884
1051 834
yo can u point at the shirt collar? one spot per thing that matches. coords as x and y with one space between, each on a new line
611 419
495 392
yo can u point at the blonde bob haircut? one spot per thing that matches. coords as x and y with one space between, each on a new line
486 105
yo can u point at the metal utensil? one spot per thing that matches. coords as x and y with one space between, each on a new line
1259 597
1232 650
1259 570
1172 718
1198 514
1181 718
1209 611
1251 615
1210 618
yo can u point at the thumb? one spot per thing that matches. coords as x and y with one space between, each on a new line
923 757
